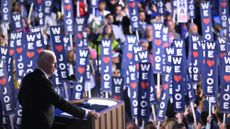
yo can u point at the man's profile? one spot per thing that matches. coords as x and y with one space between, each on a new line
38 98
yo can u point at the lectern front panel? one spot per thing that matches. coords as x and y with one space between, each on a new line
112 116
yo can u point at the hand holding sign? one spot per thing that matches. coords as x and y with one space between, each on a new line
94 114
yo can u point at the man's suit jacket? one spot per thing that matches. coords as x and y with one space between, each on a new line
38 98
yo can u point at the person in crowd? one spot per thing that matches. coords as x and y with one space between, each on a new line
193 30
145 44
179 126
71 60
151 12
107 34
131 125
91 36
172 31
102 9
117 31
199 108
98 20
170 123
116 60
16 7
3 38
38 98
149 35
116 73
111 5
149 125
142 23
122 20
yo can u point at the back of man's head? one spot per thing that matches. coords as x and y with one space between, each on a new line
44 57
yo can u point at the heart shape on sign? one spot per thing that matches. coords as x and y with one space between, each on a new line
30 54
206 20
184 17
165 86
165 45
40 50
132 4
79 35
130 55
137 66
39 2
133 85
19 50
59 48
227 78
203 61
117 97
67 7
177 78
11 52
106 59
222 55
3 81
144 85
158 42
223 4
81 70
195 54
210 63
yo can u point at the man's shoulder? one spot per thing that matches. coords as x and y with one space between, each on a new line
36 74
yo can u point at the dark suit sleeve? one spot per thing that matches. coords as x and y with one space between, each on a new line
62 104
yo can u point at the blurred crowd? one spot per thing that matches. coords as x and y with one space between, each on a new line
112 20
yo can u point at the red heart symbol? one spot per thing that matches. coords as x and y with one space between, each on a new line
67 7
133 85
223 4
206 20
132 4
11 52
59 48
130 55
3 81
177 78
138 66
166 86
117 97
222 55
40 50
106 59
227 78
210 63
79 35
184 17
81 70
204 62
165 45
195 54
30 54
39 2
158 42
144 85
19 50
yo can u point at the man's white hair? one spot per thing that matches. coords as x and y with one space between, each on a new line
45 56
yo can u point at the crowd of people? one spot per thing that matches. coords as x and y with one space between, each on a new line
112 20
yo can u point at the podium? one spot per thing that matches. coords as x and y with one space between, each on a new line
112 116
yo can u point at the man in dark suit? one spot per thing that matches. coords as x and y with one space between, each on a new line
38 98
